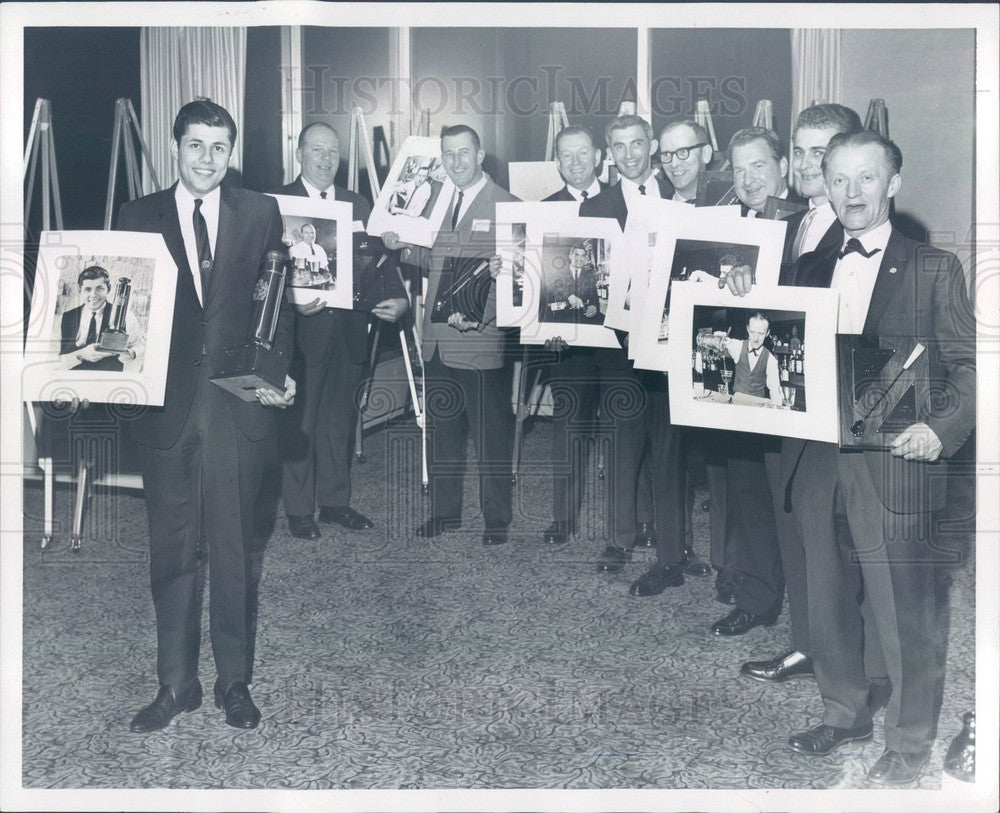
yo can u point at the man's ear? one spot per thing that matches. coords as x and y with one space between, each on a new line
894 183
783 163
654 145
173 149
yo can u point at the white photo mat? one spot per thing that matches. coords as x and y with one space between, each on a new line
416 153
818 307
516 253
49 374
765 237
565 231
534 180
333 223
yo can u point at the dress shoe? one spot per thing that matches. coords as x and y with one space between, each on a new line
778 670
741 621
303 527
693 565
495 536
558 533
897 768
657 579
645 535
347 517
613 559
960 761
240 709
167 705
436 526
822 739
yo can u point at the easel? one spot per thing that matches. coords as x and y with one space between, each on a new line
122 141
877 118
360 148
763 116
703 116
41 139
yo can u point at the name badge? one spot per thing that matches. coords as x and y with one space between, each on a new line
481 225
358 226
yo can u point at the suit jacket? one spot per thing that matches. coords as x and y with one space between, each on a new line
474 236
834 235
792 197
313 334
249 227
920 295
69 326
611 203
561 287
565 195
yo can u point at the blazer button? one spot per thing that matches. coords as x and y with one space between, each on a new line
197 364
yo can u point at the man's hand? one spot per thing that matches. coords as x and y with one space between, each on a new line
271 397
739 280
392 241
75 405
310 308
591 312
556 344
495 266
390 310
128 355
917 442
575 302
460 323
92 354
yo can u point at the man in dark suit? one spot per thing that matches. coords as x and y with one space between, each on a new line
569 289
464 357
202 453
331 353
81 327
865 517
760 169
807 229
635 403
685 152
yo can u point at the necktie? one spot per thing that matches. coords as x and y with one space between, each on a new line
204 248
458 207
800 238
585 194
323 195
92 330
855 245
312 249
642 189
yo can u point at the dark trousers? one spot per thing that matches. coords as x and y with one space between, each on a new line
855 547
755 555
714 444
623 406
200 497
665 452
317 433
459 401
573 380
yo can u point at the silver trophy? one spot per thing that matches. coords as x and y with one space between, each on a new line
115 339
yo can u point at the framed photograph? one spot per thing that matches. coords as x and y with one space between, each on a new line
416 194
534 180
517 292
102 310
318 234
729 370
632 266
715 188
702 252
884 386
780 208
572 280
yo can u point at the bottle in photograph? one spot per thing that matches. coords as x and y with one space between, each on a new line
698 376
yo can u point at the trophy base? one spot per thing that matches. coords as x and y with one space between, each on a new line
113 341
246 368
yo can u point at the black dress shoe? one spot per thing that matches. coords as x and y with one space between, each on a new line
778 670
740 621
897 768
645 535
693 565
495 535
347 517
822 739
558 533
960 761
167 705
240 709
303 527
657 579
435 527
613 559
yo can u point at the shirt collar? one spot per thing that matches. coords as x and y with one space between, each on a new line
592 190
209 201
877 238
315 191
649 184
470 192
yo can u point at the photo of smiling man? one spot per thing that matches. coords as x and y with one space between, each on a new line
760 169
685 151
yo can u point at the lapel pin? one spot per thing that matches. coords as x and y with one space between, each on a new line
892 270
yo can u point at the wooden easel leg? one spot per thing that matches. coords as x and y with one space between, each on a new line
365 393
45 463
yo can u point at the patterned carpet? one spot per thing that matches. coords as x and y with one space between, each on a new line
383 661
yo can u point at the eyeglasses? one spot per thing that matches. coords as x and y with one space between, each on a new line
682 154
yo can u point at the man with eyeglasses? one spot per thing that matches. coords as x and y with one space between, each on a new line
685 150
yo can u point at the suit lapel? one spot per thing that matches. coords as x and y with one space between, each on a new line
170 228
224 240
888 279
815 269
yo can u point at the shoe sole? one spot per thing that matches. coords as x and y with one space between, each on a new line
191 706
222 706
761 679
829 751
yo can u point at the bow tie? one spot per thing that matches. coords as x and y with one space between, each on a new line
754 351
855 245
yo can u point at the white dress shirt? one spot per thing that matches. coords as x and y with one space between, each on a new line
185 213
592 191
822 218
854 279
773 377
468 195
85 317
317 193
630 189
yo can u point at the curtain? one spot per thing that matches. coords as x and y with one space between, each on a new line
815 67
178 65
